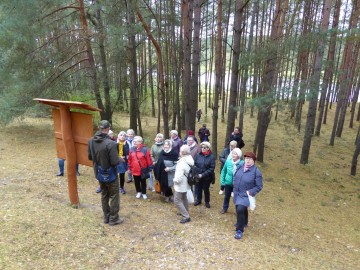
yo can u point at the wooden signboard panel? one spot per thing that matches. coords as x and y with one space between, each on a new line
82 132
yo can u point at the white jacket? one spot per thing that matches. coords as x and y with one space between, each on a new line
181 172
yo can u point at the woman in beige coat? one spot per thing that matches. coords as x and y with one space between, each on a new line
181 185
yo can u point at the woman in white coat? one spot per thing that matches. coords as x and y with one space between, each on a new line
181 185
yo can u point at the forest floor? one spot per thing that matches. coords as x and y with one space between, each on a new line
307 216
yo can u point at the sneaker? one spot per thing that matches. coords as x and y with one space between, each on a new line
232 194
144 196
122 191
117 222
60 174
221 192
153 190
77 174
185 220
223 211
238 234
207 205
129 181
138 195
98 190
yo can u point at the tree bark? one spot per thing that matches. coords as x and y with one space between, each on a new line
314 85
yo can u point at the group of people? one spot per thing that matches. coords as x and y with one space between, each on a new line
171 160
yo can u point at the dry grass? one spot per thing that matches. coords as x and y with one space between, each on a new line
307 217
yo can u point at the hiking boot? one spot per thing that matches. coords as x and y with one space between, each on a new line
77 174
122 191
60 174
223 211
116 222
207 205
184 220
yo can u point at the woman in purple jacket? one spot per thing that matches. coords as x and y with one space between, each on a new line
247 182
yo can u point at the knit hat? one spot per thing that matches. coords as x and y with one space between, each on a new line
250 155
190 133
174 132
110 133
238 152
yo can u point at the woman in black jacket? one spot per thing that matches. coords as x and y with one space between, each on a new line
204 170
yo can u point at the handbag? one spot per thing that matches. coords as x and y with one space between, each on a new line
144 171
157 187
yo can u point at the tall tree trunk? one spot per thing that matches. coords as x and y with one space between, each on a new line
314 85
187 41
103 63
329 68
356 154
345 73
269 79
160 70
195 65
133 66
92 68
232 111
218 72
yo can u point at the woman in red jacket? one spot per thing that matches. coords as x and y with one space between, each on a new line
140 160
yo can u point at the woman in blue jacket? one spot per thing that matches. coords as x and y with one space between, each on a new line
247 181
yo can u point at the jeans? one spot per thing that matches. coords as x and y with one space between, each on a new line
181 202
151 181
110 200
62 165
203 185
140 184
228 190
242 217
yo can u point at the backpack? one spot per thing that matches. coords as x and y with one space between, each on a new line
191 178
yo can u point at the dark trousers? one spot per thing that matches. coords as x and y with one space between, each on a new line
203 185
228 190
140 184
110 199
168 192
242 216
122 180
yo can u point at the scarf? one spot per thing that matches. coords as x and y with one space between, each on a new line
159 170
247 167
235 165
208 152
121 149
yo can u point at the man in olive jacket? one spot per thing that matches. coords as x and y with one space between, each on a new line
104 153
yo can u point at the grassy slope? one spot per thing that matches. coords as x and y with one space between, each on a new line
306 217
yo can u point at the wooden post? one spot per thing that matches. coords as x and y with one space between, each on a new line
70 153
